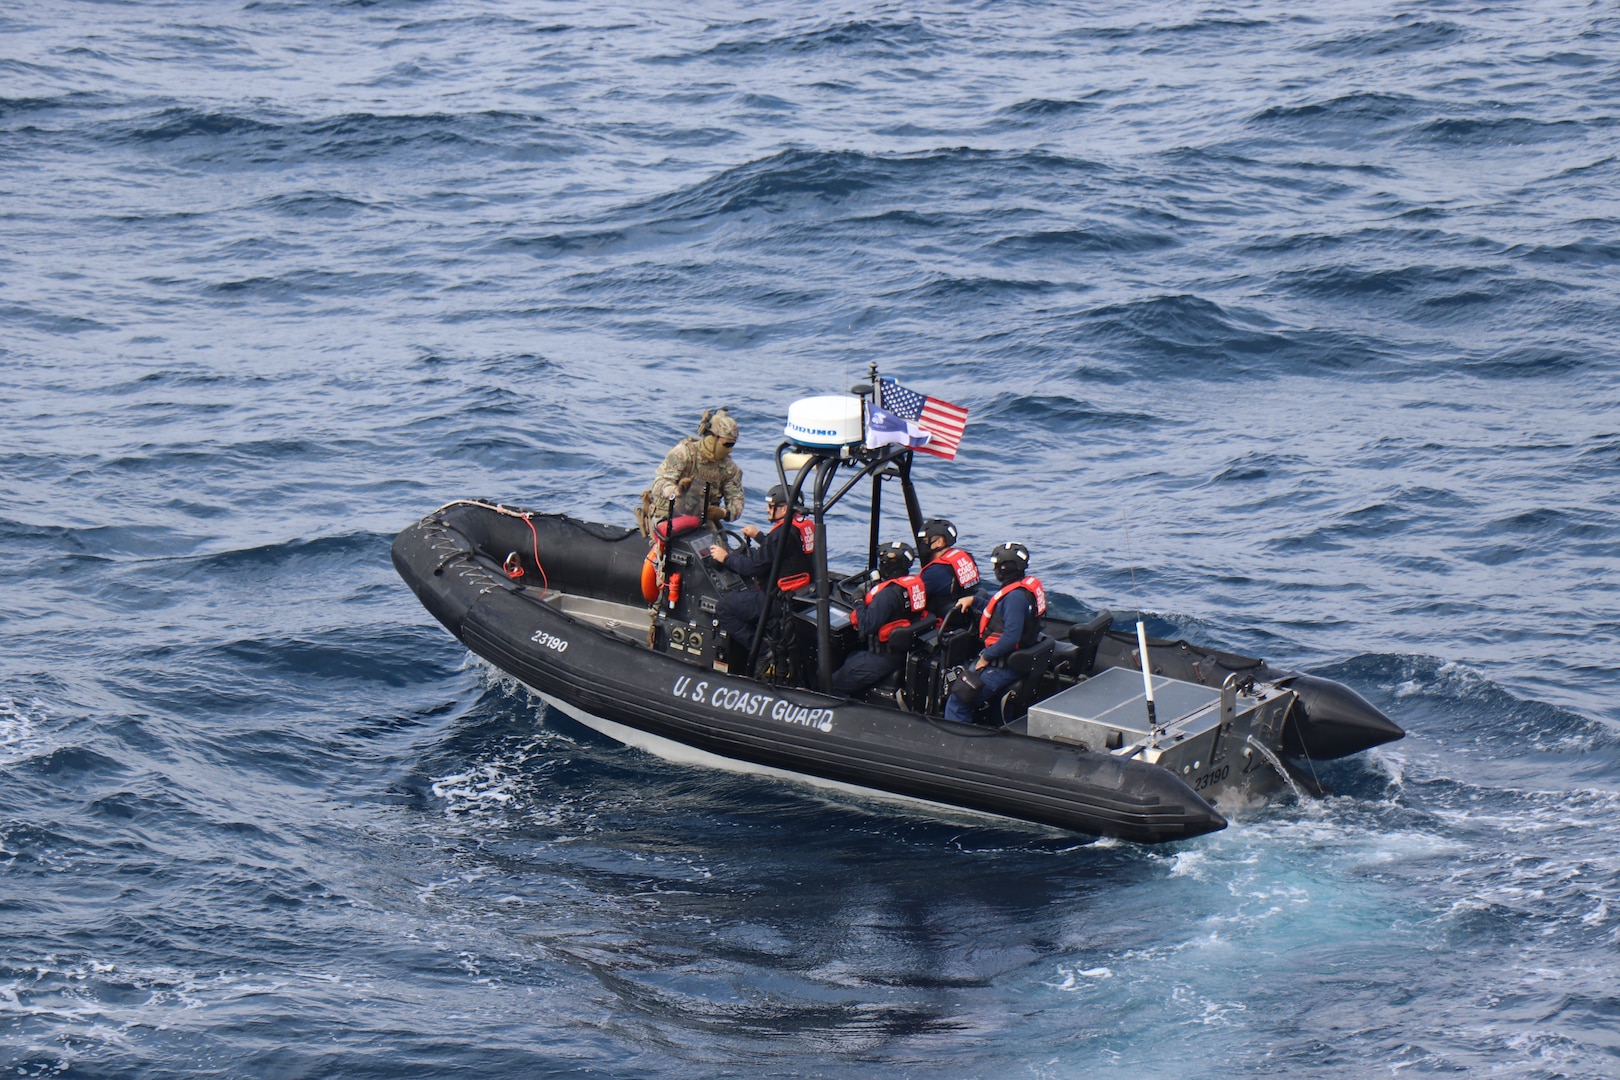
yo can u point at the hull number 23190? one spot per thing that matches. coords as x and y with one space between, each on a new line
556 644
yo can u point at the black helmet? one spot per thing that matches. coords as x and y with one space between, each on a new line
1009 561
778 496
895 558
937 527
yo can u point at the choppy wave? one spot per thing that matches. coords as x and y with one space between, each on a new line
1294 334
228 139
877 39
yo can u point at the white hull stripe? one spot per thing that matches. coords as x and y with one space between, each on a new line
681 754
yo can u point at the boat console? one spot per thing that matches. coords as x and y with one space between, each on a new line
684 622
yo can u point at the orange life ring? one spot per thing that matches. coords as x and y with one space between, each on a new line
649 575
655 554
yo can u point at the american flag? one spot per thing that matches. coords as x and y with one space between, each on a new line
944 421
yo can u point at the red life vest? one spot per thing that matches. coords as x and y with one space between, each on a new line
985 620
807 534
916 602
961 564
796 565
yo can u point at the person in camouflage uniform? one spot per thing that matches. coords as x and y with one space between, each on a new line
696 463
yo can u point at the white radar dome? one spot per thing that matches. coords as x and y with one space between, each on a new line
831 421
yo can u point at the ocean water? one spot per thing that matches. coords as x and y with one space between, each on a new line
1290 326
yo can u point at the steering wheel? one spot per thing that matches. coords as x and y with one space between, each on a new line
851 588
727 537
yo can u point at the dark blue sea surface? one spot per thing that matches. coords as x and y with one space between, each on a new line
1292 326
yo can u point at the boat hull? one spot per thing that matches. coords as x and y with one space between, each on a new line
450 560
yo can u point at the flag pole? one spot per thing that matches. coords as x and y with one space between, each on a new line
877 480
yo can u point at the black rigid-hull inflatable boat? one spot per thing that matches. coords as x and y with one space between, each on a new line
619 633
562 605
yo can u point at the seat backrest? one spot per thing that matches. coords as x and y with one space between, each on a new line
1086 636
958 647
1031 660
902 638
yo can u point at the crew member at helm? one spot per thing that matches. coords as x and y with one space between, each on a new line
894 601
1010 621
693 467
951 573
737 613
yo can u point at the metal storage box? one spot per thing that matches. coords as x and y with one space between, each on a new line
1113 703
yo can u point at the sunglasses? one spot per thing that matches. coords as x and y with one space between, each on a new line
729 445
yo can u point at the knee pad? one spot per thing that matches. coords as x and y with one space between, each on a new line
965 685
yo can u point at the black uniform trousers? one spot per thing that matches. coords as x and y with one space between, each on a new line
864 670
737 613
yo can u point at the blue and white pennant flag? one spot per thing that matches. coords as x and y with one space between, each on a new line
883 428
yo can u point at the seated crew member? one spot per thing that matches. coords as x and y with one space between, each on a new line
951 573
737 613
1010 621
696 465
896 600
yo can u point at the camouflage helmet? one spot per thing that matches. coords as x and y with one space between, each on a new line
718 422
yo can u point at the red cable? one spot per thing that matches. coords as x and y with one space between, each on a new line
546 584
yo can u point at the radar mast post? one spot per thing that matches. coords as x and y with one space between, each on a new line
874 536
776 560
903 466
877 512
824 474
913 507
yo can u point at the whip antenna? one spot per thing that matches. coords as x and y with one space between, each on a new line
1141 634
